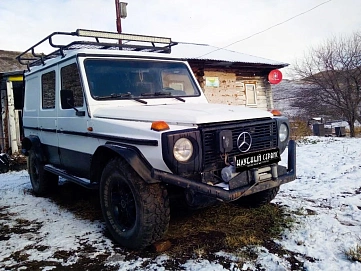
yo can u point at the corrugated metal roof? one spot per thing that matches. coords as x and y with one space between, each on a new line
208 52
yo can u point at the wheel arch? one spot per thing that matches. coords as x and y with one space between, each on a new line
33 143
131 154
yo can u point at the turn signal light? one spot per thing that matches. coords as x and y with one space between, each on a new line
159 126
276 112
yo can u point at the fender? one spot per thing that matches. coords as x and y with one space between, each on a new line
33 143
129 153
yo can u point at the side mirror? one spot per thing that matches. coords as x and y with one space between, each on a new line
67 101
67 98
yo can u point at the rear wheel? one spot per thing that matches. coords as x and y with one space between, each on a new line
136 213
258 199
42 181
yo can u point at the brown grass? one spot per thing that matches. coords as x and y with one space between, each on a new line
225 227
299 129
354 254
357 131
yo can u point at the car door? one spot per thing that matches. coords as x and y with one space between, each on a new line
47 118
74 150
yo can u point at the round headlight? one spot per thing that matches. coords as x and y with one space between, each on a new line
183 149
283 132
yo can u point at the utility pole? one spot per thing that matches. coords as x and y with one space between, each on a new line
121 13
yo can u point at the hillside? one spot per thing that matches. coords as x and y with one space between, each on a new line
284 94
8 62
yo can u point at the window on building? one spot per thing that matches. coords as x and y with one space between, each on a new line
48 90
251 94
70 82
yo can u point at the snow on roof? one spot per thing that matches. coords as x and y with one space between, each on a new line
208 52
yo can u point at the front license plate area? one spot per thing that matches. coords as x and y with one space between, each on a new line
256 159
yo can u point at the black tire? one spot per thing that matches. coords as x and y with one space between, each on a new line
258 199
42 181
136 213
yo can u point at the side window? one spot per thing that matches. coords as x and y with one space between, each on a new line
251 94
70 82
48 90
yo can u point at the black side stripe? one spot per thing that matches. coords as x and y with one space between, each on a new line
135 141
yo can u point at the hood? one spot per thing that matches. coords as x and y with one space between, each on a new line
185 113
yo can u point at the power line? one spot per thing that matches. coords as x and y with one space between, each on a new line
275 25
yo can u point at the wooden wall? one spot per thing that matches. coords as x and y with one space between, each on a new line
232 90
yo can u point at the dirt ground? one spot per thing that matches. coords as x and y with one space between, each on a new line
192 235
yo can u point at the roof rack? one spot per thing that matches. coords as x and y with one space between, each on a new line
30 58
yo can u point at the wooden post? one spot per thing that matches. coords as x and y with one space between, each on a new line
3 120
12 118
119 22
17 125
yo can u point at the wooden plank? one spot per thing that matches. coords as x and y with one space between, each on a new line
11 117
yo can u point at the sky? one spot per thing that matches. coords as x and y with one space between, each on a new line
218 23
324 202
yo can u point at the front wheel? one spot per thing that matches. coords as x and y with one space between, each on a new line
42 181
136 213
258 199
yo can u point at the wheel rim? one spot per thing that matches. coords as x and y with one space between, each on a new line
122 205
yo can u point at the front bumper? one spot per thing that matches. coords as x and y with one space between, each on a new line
233 194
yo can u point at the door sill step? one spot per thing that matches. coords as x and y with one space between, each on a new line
80 181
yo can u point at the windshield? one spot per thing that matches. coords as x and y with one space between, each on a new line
141 79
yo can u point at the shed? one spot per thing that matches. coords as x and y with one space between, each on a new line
230 77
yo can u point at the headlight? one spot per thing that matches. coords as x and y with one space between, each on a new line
183 149
283 132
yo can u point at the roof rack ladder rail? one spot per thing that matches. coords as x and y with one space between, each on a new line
20 57
38 56
56 46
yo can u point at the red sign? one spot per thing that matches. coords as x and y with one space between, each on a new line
275 76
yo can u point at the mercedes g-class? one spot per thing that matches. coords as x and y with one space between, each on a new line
130 120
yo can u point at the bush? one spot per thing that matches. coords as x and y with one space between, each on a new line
358 131
354 254
299 128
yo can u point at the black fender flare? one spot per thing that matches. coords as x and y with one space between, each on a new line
33 143
130 154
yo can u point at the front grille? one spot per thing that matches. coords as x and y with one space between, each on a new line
263 132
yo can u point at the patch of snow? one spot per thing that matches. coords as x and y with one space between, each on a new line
325 202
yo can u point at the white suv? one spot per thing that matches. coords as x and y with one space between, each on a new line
130 120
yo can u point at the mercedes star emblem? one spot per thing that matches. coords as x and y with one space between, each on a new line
244 141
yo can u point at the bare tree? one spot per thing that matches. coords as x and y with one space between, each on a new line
332 78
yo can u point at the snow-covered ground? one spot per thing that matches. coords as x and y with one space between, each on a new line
325 201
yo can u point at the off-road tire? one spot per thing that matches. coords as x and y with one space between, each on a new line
136 213
42 181
258 199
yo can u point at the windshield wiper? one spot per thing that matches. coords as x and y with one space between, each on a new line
140 100
163 93
157 93
113 96
179 99
120 95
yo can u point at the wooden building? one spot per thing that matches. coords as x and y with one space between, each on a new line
230 77
226 77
